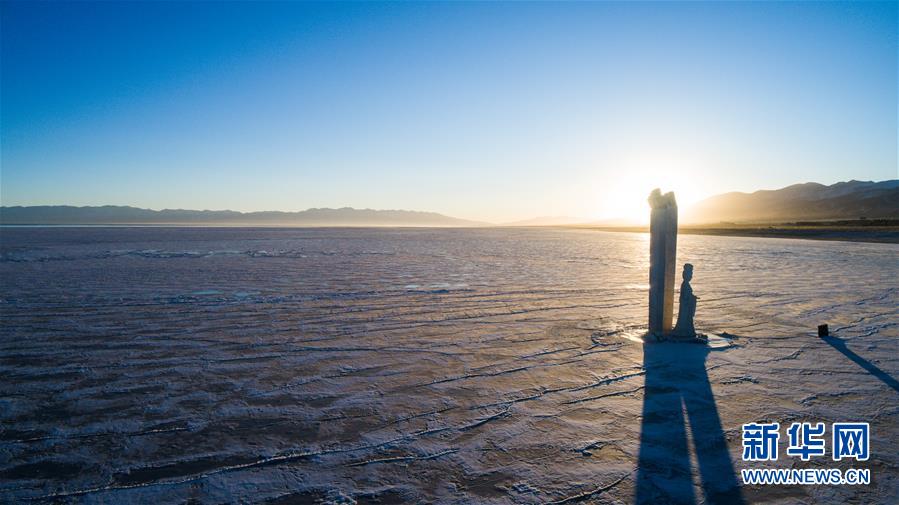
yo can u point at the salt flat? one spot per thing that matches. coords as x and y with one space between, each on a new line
451 366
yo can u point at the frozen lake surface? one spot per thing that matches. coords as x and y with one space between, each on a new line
452 366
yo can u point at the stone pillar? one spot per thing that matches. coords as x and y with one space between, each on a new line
662 256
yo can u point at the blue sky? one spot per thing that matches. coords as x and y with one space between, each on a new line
492 111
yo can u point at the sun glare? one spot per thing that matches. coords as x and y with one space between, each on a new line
624 200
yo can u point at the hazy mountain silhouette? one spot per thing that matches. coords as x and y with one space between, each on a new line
809 201
108 214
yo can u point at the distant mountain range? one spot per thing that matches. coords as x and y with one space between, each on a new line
809 201
122 215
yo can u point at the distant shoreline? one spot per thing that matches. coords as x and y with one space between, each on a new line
234 225
843 233
870 234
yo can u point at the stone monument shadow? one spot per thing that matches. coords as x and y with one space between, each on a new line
678 401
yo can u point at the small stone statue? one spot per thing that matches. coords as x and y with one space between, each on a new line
687 309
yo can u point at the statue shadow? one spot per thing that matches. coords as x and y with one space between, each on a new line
677 395
840 345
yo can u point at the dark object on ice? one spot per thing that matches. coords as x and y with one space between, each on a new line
662 253
822 331
687 308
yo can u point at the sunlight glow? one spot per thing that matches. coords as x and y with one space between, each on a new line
623 200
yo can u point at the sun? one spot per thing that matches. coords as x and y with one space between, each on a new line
626 203
623 200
